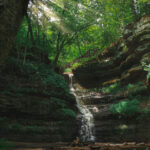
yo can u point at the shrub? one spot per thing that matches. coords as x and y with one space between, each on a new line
76 65
113 88
130 90
5 145
126 108
60 110
56 103
34 129
68 113
56 80
146 68
68 70
15 127
65 113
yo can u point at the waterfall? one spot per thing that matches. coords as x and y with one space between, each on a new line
87 121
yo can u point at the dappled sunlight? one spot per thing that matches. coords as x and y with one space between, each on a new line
43 9
83 8
59 3
40 9
48 12
62 27
123 126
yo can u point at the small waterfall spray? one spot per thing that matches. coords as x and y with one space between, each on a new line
86 117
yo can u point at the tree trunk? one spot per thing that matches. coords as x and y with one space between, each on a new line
26 46
11 16
78 44
56 58
30 29
133 8
59 48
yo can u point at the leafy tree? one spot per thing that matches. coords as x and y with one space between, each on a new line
67 29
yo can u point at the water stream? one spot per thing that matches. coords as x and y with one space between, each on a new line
87 121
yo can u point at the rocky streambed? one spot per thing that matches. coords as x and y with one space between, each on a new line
81 146
107 126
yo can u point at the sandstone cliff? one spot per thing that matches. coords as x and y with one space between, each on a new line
119 80
122 61
35 104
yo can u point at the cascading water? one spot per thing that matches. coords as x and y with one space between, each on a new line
86 117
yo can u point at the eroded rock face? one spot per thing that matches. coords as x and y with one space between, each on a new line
122 60
33 111
109 127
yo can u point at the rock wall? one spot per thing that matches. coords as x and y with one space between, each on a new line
109 127
122 60
35 104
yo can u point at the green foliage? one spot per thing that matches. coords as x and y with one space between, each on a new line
80 62
113 88
57 103
68 70
143 7
66 113
76 65
135 90
133 94
146 68
81 26
17 66
34 129
5 145
49 83
59 109
37 72
55 80
130 90
126 108
15 127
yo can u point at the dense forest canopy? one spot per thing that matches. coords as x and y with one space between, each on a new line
65 30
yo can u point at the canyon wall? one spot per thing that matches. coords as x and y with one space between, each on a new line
122 61
123 64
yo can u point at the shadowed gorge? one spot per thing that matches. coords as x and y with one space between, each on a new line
75 75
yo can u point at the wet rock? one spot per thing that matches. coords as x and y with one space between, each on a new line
141 144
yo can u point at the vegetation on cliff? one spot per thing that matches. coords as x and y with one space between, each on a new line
35 103
122 70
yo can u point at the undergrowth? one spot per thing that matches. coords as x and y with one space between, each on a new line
128 108
119 89
42 80
132 96
5 145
